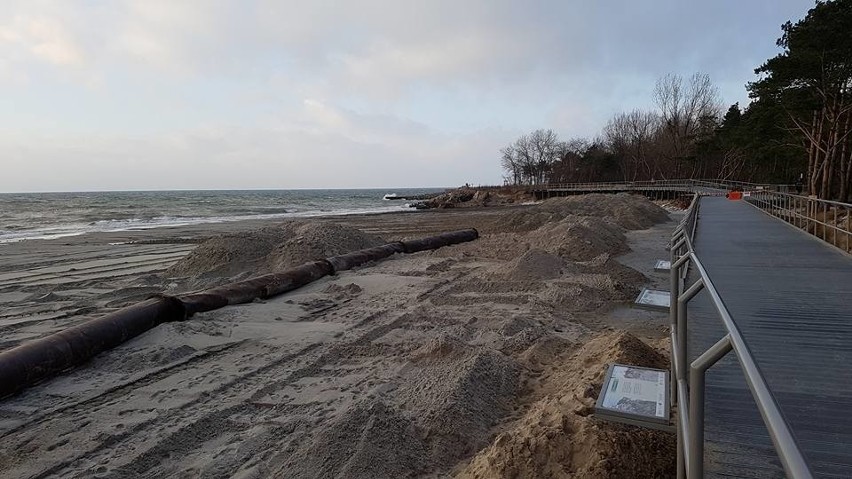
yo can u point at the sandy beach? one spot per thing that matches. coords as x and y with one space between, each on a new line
476 360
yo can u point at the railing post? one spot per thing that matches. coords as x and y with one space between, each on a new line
680 353
673 294
676 262
683 346
695 468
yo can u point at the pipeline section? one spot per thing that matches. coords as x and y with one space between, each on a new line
37 360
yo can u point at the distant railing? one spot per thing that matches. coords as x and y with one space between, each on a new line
743 185
831 221
688 378
614 185
691 184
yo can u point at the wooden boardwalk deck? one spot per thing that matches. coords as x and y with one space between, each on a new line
791 296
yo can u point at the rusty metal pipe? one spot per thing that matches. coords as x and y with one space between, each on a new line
357 258
36 360
261 287
435 242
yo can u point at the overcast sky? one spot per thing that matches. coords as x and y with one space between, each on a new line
116 95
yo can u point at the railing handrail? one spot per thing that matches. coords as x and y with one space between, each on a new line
810 198
715 183
690 435
809 214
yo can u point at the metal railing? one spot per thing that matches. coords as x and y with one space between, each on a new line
831 221
615 185
674 183
743 185
688 379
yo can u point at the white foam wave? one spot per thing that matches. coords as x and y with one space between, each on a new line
136 224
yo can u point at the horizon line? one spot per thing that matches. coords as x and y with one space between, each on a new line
223 189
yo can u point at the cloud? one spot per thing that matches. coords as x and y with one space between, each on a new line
185 37
45 38
320 146
278 93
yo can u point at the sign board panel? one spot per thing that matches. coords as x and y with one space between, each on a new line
634 395
653 299
663 265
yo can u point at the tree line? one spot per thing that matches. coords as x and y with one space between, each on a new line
797 124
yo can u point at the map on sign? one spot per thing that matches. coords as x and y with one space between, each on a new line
640 393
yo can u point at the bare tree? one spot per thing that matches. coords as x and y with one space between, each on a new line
566 168
684 107
630 136
510 165
529 159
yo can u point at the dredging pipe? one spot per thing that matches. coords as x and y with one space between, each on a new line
43 358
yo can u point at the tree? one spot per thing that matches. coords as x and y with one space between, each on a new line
567 168
685 108
811 81
529 159
631 138
757 146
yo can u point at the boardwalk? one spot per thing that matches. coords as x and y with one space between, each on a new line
791 297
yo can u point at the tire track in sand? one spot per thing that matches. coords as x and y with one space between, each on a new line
180 427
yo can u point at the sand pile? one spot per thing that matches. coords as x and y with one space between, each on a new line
631 212
574 286
560 256
559 437
369 440
533 264
456 394
549 275
317 240
447 401
232 253
524 221
442 347
271 249
499 246
575 238
519 333
577 228
593 285
579 238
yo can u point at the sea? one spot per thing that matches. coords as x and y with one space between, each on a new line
27 216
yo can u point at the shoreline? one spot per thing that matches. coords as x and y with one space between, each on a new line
200 231
43 235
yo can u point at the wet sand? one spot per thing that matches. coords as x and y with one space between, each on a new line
414 366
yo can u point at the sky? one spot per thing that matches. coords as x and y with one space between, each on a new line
152 95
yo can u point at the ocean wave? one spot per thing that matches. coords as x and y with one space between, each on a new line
51 232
